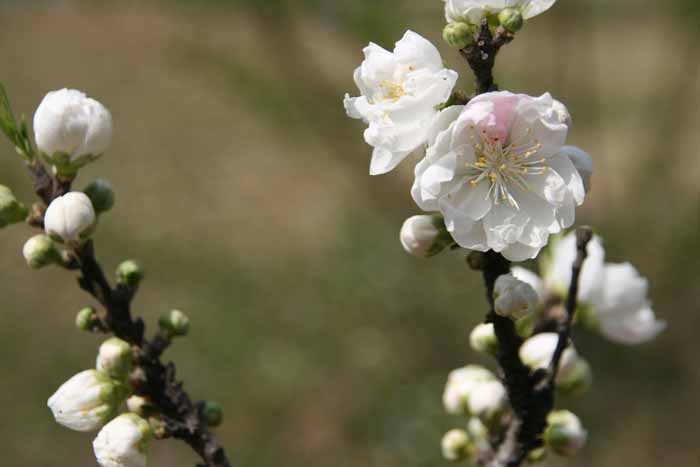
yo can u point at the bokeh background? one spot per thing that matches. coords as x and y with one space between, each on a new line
243 188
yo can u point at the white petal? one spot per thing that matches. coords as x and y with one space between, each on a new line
532 8
632 329
416 51
384 161
531 278
557 268
583 163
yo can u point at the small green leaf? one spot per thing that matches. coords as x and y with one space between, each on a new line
8 125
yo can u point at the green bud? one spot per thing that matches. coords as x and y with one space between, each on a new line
212 413
455 445
101 194
564 434
175 323
40 251
458 35
11 210
483 339
511 19
577 379
85 318
130 273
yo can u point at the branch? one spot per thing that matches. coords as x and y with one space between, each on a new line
583 237
481 56
151 378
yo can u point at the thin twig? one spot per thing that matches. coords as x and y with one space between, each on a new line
152 379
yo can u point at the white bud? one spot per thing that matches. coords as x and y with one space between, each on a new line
425 236
39 251
115 358
70 123
70 218
514 298
564 434
483 339
455 445
87 400
487 399
137 404
123 442
460 385
576 378
537 353
582 162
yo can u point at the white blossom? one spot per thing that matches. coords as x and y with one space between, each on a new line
495 170
87 400
399 94
613 298
583 163
424 236
565 434
537 353
513 298
474 390
115 358
473 11
70 218
69 122
123 442
483 339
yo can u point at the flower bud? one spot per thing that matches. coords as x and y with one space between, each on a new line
138 405
87 400
460 385
130 273
511 19
101 195
115 358
455 445
458 35
425 236
212 413
582 162
514 298
85 319
70 218
537 353
483 339
39 251
576 378
564 434
487 400
71 130
175 323
11 210
123 442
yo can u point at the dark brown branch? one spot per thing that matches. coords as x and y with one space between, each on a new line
481 56
583 237
151 378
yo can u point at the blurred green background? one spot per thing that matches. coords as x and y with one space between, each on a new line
243 188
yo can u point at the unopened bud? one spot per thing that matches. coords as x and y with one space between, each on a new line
511 19
483 339
138 405
11 210
85 319
425 236
70 218
537 353
123 442
115 358
39 251
212 413
514 298
564 434
101 194
458 35
455 445
129 273
575 379
175 323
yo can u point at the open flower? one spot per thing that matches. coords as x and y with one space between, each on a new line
612 298
400 91
495 170
473 11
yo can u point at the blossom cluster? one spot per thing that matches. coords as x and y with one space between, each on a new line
494 173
